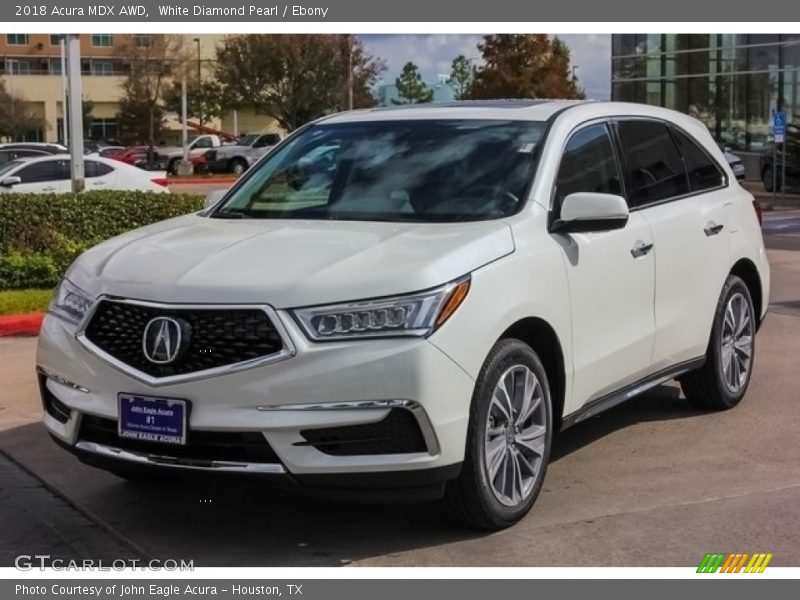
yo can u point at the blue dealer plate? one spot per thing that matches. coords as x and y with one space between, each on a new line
152 419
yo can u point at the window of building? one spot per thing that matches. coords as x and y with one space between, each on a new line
103 129
18 39
703 172
54 66
102 39
18 66
652 162
588 164
102 67
55 40
142 40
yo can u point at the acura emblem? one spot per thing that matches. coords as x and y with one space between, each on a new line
165 339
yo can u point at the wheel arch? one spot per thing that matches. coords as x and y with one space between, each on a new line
541 336
746 270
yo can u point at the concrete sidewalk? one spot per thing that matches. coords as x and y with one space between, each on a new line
36 521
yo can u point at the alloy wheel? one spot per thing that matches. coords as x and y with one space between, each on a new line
737 342
515 436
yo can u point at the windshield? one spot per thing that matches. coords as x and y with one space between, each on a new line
10 166
246 140
426 171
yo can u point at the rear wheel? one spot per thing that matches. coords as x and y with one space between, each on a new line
508 440
722 381
767 176
173 166
238 166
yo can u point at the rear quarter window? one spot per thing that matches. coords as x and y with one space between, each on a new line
703 172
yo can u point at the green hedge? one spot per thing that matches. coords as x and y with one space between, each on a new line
41 234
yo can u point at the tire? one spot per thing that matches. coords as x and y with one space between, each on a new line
173 166
476 498
238 166
721 383
766 178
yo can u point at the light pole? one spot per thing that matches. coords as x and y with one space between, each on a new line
199 80
11 62
62 42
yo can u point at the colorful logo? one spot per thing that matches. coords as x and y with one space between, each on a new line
737 562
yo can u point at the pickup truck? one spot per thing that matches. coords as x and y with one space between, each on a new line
170 156
238 157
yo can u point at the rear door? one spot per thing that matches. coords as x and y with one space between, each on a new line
99 176
611 275
681 192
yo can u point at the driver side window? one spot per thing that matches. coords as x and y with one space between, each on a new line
588 165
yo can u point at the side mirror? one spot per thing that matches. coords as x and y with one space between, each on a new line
584 212
10 181
213 197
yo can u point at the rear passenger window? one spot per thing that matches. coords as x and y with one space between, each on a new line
588 165
655 168
93 168
704 174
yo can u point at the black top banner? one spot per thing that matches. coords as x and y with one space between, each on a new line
443 11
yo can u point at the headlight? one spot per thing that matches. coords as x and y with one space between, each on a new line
415 315
69 302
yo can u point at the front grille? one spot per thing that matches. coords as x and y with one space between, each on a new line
219 337
397 433
52 405
243 446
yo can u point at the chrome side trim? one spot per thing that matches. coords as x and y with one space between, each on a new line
288 351
603 403
62 380
218 466
415 408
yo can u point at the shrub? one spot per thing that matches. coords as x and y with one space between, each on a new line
41 234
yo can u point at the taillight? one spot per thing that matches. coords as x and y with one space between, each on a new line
757 206
162 181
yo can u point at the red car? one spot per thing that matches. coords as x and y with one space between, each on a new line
137 156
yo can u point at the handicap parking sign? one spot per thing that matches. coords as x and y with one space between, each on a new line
779 126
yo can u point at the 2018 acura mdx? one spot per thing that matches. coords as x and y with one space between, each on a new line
412 302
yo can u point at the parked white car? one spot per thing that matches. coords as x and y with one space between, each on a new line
51 175
411 303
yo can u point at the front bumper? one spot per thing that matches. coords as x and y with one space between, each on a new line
322 386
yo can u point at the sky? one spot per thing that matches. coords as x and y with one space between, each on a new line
433 53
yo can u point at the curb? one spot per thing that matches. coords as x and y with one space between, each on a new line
21 324
200 180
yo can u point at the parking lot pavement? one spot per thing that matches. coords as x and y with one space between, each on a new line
36 521
653 482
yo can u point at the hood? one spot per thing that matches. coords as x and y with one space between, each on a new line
286 263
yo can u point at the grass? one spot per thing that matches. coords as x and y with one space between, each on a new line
18 302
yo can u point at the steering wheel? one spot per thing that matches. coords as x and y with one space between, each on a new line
499 199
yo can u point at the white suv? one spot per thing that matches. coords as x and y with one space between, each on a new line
409 303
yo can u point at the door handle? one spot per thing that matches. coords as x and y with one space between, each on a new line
98 182
49 188
640 248
713 228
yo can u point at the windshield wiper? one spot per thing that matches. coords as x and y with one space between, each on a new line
230 214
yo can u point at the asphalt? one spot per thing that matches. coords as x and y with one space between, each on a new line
653 482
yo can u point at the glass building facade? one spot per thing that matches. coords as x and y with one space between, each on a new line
731 82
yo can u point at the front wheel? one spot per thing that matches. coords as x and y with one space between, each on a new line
508 440
722 381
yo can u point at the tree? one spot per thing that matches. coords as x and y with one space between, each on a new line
203 102
17 115
141 114
410 87
295 78
524 66
462 73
